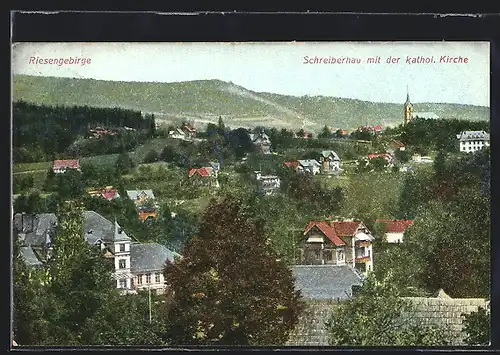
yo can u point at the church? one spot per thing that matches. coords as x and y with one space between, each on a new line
409 113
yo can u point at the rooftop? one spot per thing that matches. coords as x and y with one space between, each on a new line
146 257
326 282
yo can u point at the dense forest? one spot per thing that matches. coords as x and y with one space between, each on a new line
46 132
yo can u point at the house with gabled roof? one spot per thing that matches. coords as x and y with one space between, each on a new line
60 166
309 166
132 260
206 175
291 164
148 261
337 243
394 229
330 162
395 145
262 141
189 130
109 193
140 196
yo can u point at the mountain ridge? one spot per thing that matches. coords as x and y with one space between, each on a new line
205 100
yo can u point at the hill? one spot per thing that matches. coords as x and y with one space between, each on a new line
205 100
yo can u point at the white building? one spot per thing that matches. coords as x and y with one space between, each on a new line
267 183
310 166
471 141
137 265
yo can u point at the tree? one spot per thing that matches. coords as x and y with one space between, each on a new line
124 164
229 288
221 128
80 278
459 265
477 326
167 154
151 157
378 316
28 295
378 163
403 156
325 133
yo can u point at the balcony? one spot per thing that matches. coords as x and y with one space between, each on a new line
363 244
363 259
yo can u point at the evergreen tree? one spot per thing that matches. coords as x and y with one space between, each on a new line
229 288
325 133
124 164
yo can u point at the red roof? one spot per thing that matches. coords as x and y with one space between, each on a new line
189 128
379 155
395 225
291 164
206 171
109 194
378 128
346 229
72 164
398 143
327 230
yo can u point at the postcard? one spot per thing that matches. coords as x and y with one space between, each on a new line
251 194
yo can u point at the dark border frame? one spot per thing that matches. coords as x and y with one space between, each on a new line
229 25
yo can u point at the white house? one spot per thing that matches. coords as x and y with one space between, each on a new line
395 229
60 166
471 141
330 162
267 183
310 166
136 265
177 134
147 263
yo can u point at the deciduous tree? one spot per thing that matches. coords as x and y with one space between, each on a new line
378 316
229 287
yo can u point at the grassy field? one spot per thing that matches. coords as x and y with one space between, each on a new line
21 167
153 144
100 160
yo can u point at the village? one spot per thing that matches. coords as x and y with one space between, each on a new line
142 218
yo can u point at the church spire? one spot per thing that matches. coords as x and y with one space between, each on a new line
407 95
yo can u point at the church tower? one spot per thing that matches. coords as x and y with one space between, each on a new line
408 108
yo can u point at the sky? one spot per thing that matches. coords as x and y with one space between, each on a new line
280 67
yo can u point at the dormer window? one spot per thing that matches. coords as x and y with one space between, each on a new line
90 231
120 231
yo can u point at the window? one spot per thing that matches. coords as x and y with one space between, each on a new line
148 278
122 264
316 252
122 247
340 255
139 279
328 255
157 277
123 283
